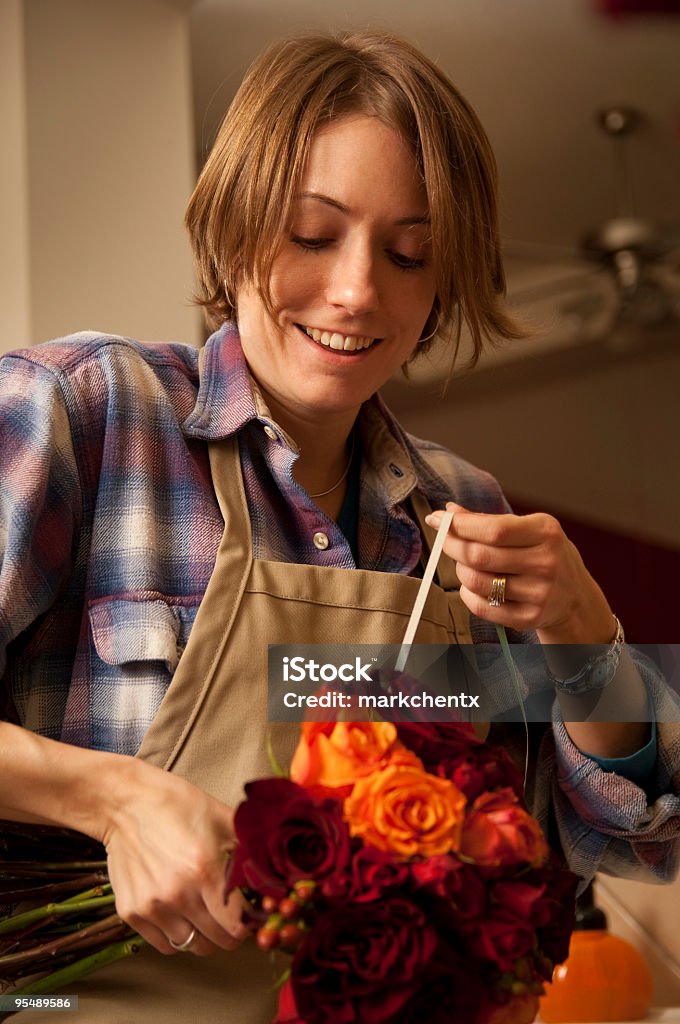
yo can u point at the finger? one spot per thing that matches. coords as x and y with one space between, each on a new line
198 944
520 616
520 588
159 936
210 936
484 558
212 932
237 908
500 530
227 918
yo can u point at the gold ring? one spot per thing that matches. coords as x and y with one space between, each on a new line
182 947
497 595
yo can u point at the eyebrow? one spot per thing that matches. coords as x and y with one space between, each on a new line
336 204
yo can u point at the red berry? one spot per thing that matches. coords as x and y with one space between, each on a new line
267 938
269 904
290 935
288 906
304 889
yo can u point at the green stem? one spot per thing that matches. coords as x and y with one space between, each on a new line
55 946
273 760
88 894
30 867
507 654
50 892
18 938
67 975
11 924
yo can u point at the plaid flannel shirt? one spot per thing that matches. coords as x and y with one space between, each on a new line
109 529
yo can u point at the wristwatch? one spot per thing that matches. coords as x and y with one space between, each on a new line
596 672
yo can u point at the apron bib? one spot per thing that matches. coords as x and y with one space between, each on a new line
211 728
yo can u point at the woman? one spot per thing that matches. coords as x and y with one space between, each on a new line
345 216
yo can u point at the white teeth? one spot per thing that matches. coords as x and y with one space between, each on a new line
339 342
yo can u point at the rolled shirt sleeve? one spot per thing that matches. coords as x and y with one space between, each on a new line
625 826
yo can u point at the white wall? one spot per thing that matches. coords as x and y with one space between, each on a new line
15 316
106 109
592 433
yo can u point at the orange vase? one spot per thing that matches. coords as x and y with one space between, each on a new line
603 979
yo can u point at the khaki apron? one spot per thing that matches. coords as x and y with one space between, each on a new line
211 728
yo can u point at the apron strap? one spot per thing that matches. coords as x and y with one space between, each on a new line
446 568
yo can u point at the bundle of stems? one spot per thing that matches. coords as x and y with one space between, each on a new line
57 914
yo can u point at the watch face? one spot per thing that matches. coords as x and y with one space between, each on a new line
596 673
601 672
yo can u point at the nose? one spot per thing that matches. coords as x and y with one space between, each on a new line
353 280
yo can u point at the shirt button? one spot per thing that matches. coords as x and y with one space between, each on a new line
270 432
395 470
321 541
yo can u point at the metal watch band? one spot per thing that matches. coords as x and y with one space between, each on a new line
598 671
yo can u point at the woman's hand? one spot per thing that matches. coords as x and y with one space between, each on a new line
547 589
168 844
167 841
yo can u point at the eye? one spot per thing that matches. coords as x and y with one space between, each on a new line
310 244
406 262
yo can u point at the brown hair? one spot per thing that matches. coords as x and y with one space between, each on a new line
242 202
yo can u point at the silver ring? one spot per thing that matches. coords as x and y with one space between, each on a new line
182 947
497 594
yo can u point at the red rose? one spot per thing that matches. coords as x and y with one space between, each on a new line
287 1012
554 912
370 874
499 832
285 835
402 683
522 900
480 769
435 741
450 993
453 751
457 884
518 1009
500 937
362 963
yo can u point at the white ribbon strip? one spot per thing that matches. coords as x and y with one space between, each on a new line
426 583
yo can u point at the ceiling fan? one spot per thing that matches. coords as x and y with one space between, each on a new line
630 287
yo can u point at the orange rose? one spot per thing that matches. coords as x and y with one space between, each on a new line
499 832
404 810
331 756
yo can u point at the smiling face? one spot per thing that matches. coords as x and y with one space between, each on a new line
352 283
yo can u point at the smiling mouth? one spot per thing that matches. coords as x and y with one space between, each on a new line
338 342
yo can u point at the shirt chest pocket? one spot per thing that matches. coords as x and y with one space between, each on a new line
135 648
125 631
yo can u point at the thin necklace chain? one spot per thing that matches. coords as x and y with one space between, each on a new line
335 486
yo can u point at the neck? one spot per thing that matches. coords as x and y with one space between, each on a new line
325 446
321 467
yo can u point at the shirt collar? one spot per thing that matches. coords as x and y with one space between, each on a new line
228 398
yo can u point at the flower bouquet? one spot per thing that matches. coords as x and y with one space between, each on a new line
397 866
400 869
